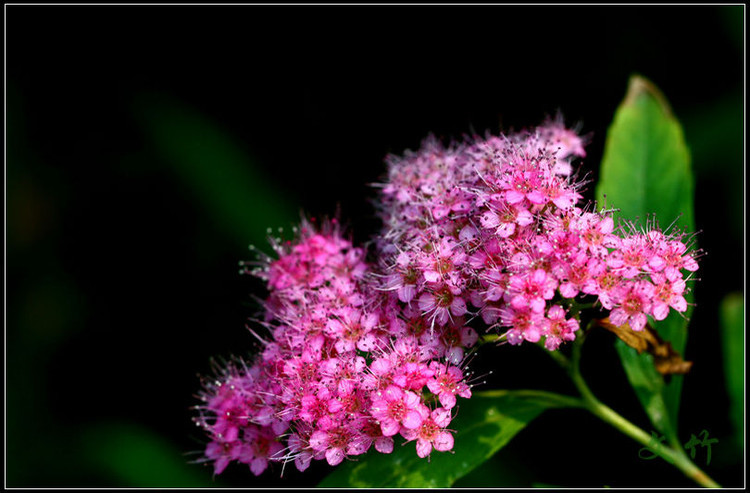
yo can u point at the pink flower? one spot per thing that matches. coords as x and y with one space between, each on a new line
447 384
559 192
352 329
667 294
633 303
300 450
372 432
574 274
404 278
532 290
564 141
632 257
336 440
395 408
504 218
525 325
342 373
438 304
441 264
675 258
557 328
431 433
449 342
564 244
315 406
222 453
602 282
412 375
595 232
525 185
456 200
260 446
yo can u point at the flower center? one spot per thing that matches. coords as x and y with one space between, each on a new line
444 298
396 410
429 430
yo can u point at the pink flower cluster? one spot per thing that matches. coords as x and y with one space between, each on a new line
494 225
359 352
344 369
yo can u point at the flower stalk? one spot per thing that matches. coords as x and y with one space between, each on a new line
672 454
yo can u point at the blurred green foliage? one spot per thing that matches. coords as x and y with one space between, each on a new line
732 319
238 196
122 453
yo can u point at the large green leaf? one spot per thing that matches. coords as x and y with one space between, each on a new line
483 425
732 313
646 170
646 164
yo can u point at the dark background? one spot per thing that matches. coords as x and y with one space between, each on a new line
147 146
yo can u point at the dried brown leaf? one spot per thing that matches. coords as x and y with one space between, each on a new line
667 361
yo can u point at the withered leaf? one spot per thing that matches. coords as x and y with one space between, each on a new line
667 361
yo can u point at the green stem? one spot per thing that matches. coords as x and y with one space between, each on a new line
560 358
672 455
488 338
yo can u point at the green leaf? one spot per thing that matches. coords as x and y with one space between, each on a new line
646 171
732 313
483 425
648 385
502 470
646 164
232 189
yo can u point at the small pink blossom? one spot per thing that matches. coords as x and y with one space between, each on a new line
439 304
396 408
667 295
447 383
431 433
596 233
675 258
557 328
335 440
260 446
531 291
222 453
603 282
566 142
412 375
504 218
633 303
525 325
